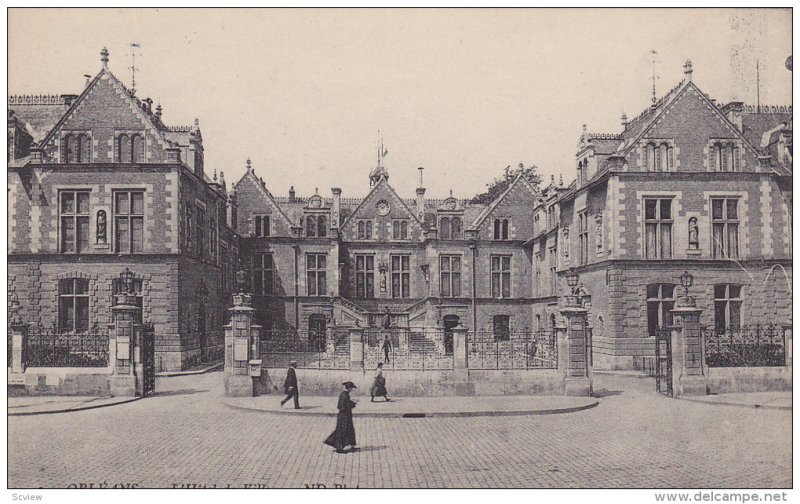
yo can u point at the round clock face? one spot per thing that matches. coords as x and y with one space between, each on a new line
382 207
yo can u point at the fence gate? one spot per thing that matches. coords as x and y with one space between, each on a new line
148 349
664 360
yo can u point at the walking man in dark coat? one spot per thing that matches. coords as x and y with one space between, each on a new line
387 347
290 386
345 433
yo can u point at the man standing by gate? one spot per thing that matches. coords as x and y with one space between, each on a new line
387 348
290 386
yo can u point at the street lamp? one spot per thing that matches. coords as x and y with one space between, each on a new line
572 280
127 280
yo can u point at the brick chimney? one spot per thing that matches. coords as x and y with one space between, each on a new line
420 197
337 207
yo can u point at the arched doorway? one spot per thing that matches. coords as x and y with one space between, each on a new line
317 326
450 321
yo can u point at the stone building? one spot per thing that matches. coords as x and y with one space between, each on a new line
97 183
688 185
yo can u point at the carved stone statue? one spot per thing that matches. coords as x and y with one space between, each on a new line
694 243
101 226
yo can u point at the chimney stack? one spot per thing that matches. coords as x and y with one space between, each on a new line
291 194
337 206
420 197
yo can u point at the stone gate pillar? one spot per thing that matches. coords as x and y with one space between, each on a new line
572 352
357 349
787 342
459 347
125 331
242 364
688 376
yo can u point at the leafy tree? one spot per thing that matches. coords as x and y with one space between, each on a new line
500 184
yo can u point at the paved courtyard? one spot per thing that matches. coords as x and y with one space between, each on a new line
186 437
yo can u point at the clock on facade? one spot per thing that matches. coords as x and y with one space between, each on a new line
382 207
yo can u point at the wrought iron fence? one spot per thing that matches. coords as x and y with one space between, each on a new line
311 350
746 346
50 348
646 364
514 350
408 349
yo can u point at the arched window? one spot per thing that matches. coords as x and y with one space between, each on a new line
717 151
84 149
322 226
66 149
585 171
735 158
445 228
124 148
257 226
368 235
725 155
137 149
650 156
404 230
663 155
361 232
311 226
497 229
455 228
670 158
505 229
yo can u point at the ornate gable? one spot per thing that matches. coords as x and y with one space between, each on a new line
515 204
254 199
382 206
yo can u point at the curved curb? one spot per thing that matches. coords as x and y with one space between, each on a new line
462 414
738 405
70 410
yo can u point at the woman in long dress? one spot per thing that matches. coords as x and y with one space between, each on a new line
379 385
345 433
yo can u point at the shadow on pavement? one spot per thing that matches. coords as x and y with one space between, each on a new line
178 392
606 393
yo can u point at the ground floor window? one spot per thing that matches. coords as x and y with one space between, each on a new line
727 307
73 305
660 302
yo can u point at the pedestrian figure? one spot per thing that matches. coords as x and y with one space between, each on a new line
290 386
345 433
387 347
379 385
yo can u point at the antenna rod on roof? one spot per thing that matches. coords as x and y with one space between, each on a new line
758 89
134 45
654 53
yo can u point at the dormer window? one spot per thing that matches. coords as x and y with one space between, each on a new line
311 226
583 172
450 228
400 229
659 156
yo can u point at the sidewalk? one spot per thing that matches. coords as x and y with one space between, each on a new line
41 405
781 400
418 407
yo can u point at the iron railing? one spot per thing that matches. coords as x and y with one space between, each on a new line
50 348
311 350
513 350
410 349
746 346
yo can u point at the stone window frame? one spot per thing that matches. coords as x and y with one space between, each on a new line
398 226
367 272
261 223
259 266
369 225
583 236
504 276
404 288
79 133
319 274
661 223
75 190
501 229
735 158
115 216
726 222
728 300
449 257
75 296
658 146
130 133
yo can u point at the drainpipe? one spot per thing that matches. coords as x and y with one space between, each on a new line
296 286
474 249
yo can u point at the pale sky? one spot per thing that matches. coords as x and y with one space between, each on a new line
463 93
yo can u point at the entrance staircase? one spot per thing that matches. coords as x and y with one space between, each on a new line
418 343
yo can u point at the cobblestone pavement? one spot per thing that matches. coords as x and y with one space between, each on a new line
185 436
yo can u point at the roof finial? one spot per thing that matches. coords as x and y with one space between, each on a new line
215 174
624 120
654 53
451 192
158 111
104 58
687 69
584 128
249 165
316 190
552 179
561 180
196 123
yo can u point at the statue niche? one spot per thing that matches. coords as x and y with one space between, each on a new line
101 227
